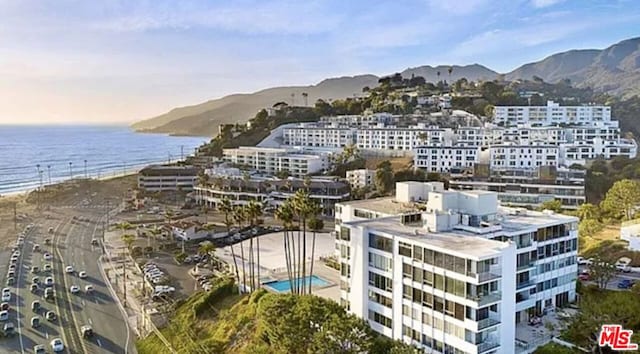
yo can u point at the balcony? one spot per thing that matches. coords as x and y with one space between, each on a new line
487 346
525 284
526 266
493 273
484 299
488 322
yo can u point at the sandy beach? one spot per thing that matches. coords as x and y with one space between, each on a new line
29 206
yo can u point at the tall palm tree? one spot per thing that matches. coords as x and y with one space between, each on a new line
450 70
226 208
302 202
284 213
207 248
239 216
315 224
254 211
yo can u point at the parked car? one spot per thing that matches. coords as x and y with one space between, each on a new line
86 331
4 306
35 305
51 316
57 345
8 329
40 349
625 284
82 275
88 289
584 276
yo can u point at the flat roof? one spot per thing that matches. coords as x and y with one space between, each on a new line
386 205
531 219
452 242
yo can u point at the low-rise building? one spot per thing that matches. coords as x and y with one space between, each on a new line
442 158
296 162
272 192
157 178
191 231
451 272
361 178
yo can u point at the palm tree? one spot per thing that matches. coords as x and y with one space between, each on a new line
302 202
154 233
438 74
315 224
450 70
254 212
226 208
305 96
207 248
128 239
239 216
284 213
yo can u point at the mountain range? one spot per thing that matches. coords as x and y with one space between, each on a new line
614 70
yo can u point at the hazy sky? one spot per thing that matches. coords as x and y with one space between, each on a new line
116 61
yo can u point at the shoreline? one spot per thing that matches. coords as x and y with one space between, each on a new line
25 193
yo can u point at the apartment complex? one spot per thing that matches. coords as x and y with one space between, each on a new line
527 187
157 178
297 162
450 271
551 114
271 191
361 178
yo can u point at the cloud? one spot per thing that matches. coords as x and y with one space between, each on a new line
544 3
458 7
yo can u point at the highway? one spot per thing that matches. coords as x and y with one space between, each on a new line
71 245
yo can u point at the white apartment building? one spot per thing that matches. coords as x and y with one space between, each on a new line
157 178
310 134
551 114
395 138
273 160
442 158
451 272
581 151
361 178
523 156
360 120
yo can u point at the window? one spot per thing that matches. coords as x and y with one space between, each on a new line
380 262
380 299
439 282
407 270
380 282
417 253
345 234
380 242
376 317
427 277
404 249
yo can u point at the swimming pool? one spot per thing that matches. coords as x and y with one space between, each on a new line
283 286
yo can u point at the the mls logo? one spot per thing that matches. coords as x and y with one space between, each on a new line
616 338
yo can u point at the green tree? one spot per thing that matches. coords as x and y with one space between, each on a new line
128 239
622 198
589 227
588 211
226 208
602 270
342 334
555 205
240 216
254 213
284 214
384 177
207 248
315 224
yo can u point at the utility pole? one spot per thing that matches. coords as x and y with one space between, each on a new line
49 173
15 216
181 152
124 279
70 169
85 169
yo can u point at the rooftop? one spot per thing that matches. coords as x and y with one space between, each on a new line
454 242
385 205
531 219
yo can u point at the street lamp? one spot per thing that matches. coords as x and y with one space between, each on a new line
70 169
85 169
49 173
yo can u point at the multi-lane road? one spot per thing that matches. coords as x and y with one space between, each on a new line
70 246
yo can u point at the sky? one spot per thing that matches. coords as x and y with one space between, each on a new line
115 62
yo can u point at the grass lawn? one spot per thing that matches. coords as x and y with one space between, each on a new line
608 243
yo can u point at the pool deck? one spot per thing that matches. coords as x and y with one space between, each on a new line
273 265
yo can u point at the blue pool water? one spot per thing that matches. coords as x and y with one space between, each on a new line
283 286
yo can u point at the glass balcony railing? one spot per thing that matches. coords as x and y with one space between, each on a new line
525 284
487 322
483 299
487 346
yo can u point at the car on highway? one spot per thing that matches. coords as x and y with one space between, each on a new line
68 269
88 289
47 256
82 274
48 281
74 289
4 306
40 349
35 305
625 284
51 316
57 345
4 315
34 288
86 331
35 321
47 267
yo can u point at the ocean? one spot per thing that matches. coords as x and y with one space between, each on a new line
107 150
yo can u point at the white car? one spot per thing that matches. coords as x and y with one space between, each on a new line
16 253
6 297
4 315
57 345
48 281
88 289
82 275
74 289
68 269
47 256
